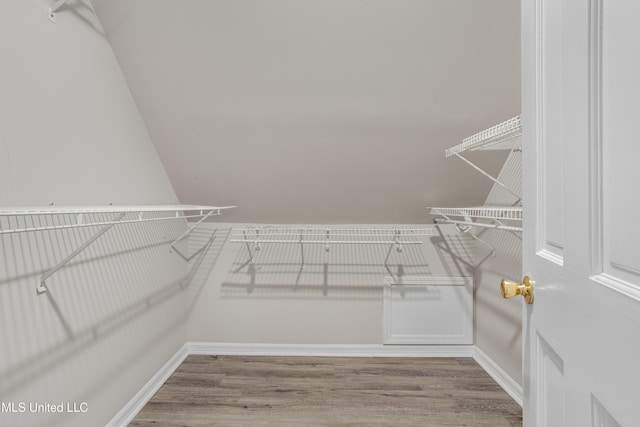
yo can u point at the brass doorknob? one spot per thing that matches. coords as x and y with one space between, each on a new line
511 289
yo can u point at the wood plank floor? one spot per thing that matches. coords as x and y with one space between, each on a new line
327 391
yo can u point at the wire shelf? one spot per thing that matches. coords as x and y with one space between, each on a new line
489 212
501 136
59 210
88 216
330 235
505 135
394 237
496 214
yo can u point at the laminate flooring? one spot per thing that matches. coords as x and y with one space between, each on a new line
329 391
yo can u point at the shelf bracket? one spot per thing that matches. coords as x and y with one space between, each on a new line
54 7
327 245
519 197
41 288
301 251
395 244
465 228
188 258
172 247
478 239
256 245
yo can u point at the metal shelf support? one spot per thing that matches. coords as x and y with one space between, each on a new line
173 248
41 287
495 180
505 135
397 245
465 227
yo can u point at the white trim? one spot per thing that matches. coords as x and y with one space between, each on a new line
505 381
131 409
332 350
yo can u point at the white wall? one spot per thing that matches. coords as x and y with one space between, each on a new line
325 111
498 321
336 299
70 133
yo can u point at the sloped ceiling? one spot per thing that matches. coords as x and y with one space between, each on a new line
320 111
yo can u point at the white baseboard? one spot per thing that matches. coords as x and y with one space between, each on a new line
334 350
505 381
131 409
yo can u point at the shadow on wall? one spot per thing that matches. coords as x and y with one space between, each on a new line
457 252
107 307
208 244
349 271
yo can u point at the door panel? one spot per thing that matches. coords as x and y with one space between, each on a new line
600 416
620 114
551 54
550 385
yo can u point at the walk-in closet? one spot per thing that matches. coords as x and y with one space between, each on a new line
318 212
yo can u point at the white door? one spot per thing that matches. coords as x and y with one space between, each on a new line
581 188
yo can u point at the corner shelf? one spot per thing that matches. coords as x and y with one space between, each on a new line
85 217
503 136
